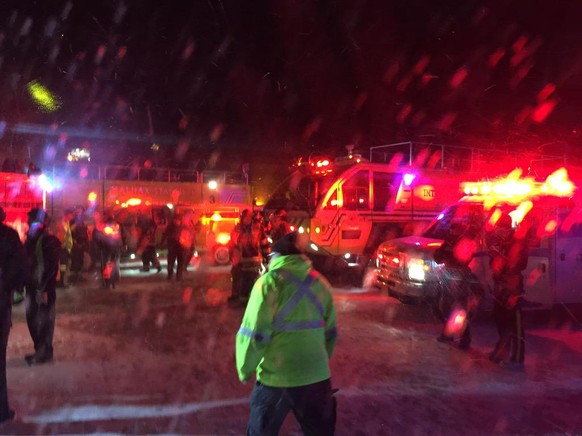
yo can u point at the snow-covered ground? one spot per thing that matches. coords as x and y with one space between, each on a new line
154 356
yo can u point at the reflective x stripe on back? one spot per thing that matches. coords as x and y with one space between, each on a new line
303 290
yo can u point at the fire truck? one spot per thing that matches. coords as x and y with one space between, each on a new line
131 192
18 194
349 205
406 266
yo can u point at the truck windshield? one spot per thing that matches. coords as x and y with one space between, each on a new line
468 214
301 191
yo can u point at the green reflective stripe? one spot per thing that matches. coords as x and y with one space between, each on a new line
257 336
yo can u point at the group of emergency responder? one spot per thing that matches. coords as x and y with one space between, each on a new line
250 246
92 233
459 291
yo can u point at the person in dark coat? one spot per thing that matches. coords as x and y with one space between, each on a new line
110 239
147 245
508 253
42 254
459 288
249 245
278 225
12 277
177 252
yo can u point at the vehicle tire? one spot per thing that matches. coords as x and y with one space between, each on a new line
221 255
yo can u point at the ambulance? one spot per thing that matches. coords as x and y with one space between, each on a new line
549 211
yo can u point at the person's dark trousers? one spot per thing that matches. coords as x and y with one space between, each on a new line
5 322
235 273
175 256
313 405
40 318
149 257
503 318
248 276
77 259
65 261
516 335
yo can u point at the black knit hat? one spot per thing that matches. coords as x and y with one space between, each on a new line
286 245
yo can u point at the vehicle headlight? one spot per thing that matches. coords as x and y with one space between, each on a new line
223 238
417 269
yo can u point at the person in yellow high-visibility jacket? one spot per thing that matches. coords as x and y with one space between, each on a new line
287 336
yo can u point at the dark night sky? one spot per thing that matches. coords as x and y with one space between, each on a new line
286 77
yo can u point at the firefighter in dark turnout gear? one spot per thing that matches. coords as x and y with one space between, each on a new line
12 275
110 239
146 245
176 250
459 289
278 225
508 258
287 336
42 253
249 246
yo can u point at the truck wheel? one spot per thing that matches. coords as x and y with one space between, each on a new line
221 256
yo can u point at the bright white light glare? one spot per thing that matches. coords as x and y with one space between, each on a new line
132 256
314 247
408 179
440 217
213 184
347 255
45 183
170 206
301 229
79 154
416 269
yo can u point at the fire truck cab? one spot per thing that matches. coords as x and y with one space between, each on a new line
406 266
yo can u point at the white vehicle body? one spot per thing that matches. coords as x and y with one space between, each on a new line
406 266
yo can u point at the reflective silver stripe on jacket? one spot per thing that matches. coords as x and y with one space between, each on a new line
257 336
303 290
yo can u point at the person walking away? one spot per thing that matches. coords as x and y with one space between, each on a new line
62 230
147 245
42 254
459 290
287 336
508 258
12 276
278 225
176 251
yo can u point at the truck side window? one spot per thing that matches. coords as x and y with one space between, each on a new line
383 192
356 192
